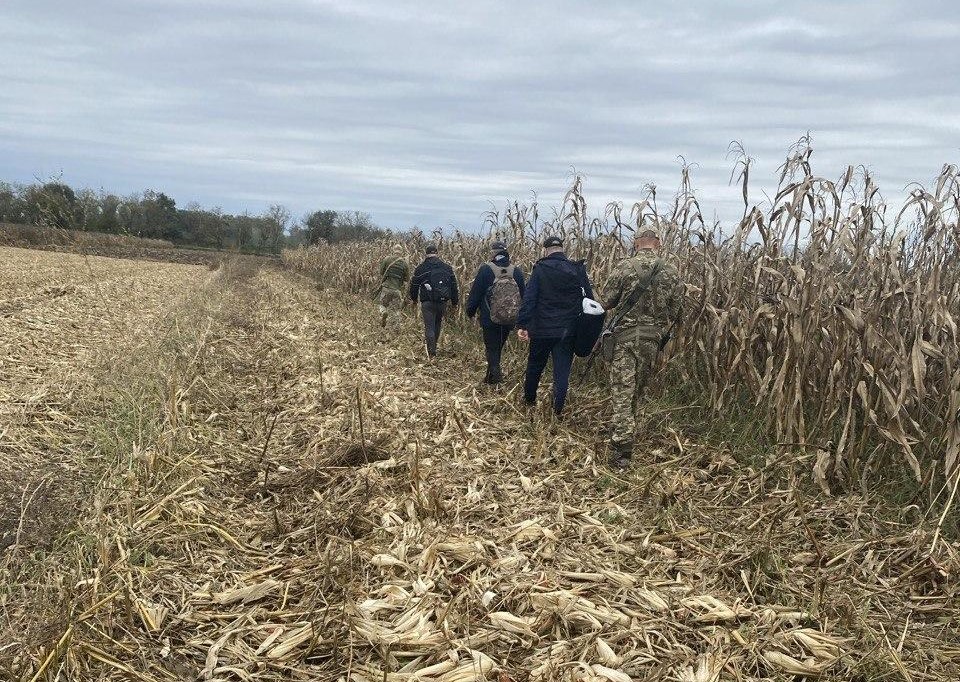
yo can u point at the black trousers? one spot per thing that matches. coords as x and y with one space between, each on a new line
561 350
494 338
432 322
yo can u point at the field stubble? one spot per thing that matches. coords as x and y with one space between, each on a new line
320 503
68 323
60 316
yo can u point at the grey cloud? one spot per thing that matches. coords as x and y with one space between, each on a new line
424 112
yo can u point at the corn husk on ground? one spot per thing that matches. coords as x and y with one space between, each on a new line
328 505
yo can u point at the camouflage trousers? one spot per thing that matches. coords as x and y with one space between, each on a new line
632 365
391 301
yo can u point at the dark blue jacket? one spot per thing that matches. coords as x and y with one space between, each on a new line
478 299
553 299
422 274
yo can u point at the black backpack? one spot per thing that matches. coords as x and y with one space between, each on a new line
438 284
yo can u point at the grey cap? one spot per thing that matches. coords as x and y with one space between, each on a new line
431 249
498 246
647 232
552 241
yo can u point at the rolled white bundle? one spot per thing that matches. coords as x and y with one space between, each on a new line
591 307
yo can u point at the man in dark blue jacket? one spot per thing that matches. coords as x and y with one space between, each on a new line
494 335
552 303
434 285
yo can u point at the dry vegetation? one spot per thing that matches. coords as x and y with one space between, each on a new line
270 488
33 236
58 314
834 315
65 323
276 491
111 245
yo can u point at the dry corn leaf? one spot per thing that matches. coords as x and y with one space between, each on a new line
610 674
250 593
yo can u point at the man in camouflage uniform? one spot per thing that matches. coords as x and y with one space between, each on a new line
394 273
638 334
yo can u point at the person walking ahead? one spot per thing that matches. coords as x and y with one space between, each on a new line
394 273
654 288
434 285
496 294
552 303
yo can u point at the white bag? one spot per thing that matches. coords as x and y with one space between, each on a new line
591 307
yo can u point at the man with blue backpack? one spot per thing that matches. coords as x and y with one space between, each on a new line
435 286
497 294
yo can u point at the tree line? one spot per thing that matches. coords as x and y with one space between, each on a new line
155 215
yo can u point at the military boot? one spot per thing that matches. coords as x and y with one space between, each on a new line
620 456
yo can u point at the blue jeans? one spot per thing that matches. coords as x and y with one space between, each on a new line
562 352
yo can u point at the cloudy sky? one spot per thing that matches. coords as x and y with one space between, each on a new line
424 112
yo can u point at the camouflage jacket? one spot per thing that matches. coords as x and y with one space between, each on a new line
394 272
660 304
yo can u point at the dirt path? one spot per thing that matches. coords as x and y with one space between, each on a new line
332 507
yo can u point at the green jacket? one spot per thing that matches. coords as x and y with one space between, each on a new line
394 272
659 306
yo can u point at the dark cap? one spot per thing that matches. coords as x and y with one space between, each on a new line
431 249
498 246
552 241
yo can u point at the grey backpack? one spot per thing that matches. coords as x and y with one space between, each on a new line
503 296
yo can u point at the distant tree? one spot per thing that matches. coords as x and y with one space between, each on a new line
109 216
298 235
218 227
357 226
332 226
197 227
131 217
277 219
53 204
161 217
321 225
263 228
243 230
88 209
154 214
13 208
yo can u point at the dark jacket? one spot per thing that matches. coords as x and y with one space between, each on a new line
479 299
421 275
553 299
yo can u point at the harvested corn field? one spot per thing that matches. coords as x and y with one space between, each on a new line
306 498
61 318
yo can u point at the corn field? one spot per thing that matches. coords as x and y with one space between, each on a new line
229 475
830 310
